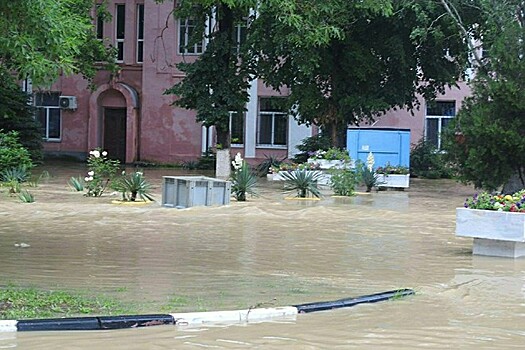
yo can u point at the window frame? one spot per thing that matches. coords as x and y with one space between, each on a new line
267 109
47 108
440 117
139 57
182 45
230 123
120 40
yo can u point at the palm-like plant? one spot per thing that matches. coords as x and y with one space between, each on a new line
133 186
243 182
304 182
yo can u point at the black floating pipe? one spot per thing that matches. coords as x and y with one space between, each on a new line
93 323
348 302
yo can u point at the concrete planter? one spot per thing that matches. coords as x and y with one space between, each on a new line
495 233
393 180
326 164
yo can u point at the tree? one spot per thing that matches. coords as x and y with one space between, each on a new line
16 114
217 82
43 39
486 141
381 60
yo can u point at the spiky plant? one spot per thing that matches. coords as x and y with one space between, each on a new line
243 182
304 182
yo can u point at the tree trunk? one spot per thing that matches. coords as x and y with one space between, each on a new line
515 183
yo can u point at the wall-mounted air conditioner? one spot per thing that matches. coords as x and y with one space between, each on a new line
68 102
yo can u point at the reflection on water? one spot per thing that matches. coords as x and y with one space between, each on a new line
268 251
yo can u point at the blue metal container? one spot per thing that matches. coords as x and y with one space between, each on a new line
387 145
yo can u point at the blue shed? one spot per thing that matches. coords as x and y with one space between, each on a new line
388 145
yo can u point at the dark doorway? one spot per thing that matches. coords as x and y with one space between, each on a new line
115 133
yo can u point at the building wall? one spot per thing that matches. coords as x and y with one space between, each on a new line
156 130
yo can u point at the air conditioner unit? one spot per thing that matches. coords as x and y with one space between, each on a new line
68 102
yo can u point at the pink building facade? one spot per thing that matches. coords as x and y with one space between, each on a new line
128 114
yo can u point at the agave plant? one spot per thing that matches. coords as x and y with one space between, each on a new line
303 181
243 180
269 161
18 174
133 186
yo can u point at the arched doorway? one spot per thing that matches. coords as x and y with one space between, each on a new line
113 121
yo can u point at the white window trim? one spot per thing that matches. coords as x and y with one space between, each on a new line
440 122
183 22
120 40
272 144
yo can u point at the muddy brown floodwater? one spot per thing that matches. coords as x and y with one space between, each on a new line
268 251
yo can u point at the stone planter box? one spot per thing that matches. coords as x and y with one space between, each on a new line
324 180
495 233
393 180
326 164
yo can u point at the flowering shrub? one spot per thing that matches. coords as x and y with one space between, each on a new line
512 203
331 154
393 169
243 179
101 171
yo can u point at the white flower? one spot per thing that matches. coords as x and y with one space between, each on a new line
91 173
91 153
123 172
139 173
96 154
104 153
90 178
370 161
237 162
86 179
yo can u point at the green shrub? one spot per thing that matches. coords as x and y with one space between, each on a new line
269 162
133 186
310 145
304 182
344 181
243 179
12 153
427 161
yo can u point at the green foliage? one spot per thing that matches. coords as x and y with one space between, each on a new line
26 197
331 153
367 175
206 161
310 145
46 38
101 172
512 203
12 153
303 182
344 181
18 174
76 183
268 163
393 169
486 142
377 63
16 114
427 161
243 180
27 303
133 186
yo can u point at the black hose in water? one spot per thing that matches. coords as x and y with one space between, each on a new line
348 302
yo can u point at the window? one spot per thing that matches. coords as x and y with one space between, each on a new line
140 33
240 34
237 128
186 42
120 26
272 124
48 114
439 115
99 26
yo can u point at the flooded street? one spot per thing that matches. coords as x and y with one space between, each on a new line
269 251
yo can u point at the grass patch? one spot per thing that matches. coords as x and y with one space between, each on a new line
26 303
